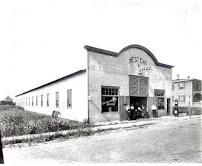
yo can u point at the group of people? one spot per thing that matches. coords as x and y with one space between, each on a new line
134 112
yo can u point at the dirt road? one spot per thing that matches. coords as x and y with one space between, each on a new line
170 139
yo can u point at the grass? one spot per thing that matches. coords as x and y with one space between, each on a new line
15 122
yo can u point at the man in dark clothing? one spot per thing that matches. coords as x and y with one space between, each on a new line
1 151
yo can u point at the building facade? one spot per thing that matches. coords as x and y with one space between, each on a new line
187 92
133 76
110 82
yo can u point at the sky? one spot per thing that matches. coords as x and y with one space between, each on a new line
43 40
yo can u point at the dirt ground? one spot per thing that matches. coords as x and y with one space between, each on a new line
169 139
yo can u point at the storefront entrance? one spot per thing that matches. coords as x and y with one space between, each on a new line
140 106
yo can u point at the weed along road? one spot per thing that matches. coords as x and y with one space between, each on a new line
168 139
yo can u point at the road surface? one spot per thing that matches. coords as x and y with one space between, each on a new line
170 139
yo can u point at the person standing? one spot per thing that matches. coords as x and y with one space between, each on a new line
128 111
1 151
143 111
132 112
154 110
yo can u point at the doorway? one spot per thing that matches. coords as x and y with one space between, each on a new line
138 102
168 106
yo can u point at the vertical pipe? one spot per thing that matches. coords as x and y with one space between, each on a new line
88 97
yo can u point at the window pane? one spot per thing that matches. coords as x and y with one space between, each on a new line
110 91
159 92
41 100
57 99
69 98
116 91
32 101
47 100
160 103
197 97
36 100
181 98
109 104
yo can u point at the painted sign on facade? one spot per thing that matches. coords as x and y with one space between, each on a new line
142 64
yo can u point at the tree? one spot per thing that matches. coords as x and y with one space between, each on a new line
8 98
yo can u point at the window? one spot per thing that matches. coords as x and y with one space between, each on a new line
57 99
196 85
173 99
36 100
197 97
47 99
41 100
109 99
173 86
181 85
159 94
181 98
32 101
69 98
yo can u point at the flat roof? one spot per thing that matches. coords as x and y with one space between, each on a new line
52 82
111 53
185 80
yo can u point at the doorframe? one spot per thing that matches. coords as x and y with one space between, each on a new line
168 106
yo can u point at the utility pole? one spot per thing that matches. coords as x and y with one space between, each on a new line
189 109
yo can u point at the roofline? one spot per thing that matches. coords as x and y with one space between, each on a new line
114 54
184 80
52 82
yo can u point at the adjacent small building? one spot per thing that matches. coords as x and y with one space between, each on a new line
109 83
187 92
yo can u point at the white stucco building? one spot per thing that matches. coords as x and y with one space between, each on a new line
68 95
101 91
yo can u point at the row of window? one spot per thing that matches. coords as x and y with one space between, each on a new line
182 98
29 101
180 86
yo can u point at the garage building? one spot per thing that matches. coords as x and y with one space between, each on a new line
110 82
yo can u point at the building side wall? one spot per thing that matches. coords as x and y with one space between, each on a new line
78 84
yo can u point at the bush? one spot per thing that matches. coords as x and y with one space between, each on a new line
4 102
20 122
19 108
7 107
86 123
